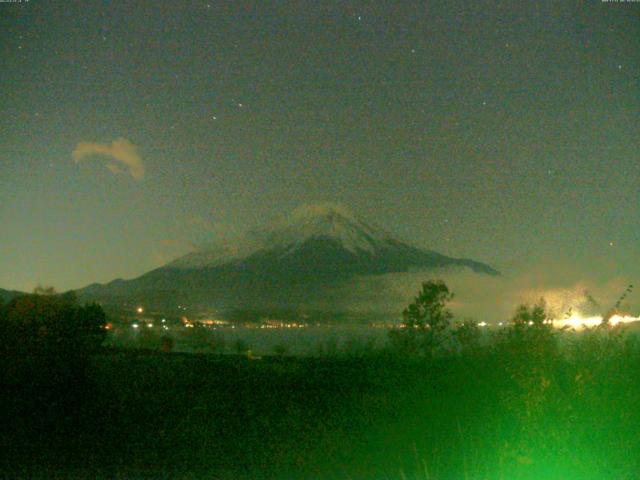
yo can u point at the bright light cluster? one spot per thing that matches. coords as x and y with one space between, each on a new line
578 322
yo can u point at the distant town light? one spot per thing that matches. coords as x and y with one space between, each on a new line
482 324
134 325
139 309
150 325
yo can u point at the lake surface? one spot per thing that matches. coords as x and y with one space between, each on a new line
307 340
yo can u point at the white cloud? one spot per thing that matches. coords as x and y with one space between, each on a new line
122 155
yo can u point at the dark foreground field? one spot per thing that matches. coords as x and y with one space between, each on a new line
487 414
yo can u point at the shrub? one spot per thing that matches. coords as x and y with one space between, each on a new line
241 346
280 350
467 335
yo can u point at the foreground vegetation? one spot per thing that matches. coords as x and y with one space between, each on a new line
437 403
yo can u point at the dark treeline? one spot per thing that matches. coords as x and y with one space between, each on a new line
46 344
48 337
444 399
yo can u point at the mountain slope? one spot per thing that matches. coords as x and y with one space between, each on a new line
293 262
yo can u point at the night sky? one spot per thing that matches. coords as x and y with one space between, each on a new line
506 132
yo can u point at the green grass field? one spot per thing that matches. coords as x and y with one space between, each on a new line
485 414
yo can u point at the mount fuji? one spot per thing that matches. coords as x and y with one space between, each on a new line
290 264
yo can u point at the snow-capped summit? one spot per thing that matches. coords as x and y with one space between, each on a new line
325 221
328 221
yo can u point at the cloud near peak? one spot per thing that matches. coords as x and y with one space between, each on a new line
122 156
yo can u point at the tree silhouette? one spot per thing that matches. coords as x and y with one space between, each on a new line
428 310
530 316
530 334
426 320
